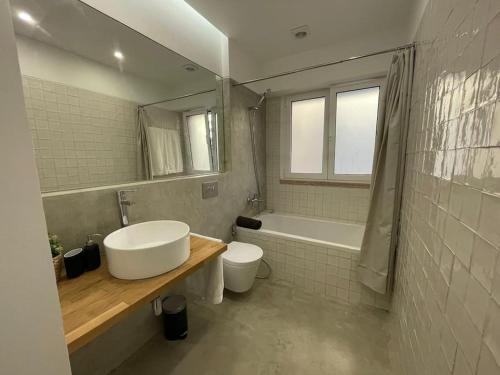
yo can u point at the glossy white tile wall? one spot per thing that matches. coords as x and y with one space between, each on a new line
325 271
447 294
81 138
346 204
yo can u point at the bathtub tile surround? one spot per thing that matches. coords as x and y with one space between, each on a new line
447 297
333 202
72 216
316 266
81 138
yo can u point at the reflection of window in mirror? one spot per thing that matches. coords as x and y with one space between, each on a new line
214 137
200 140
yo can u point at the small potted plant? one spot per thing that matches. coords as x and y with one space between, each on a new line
56 248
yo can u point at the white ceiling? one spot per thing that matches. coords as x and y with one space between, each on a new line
262 27
75 27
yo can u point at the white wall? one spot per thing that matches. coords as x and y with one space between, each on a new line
31 338
349 71
418 11
242 66
174 24
49 63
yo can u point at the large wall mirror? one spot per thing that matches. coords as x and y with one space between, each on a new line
106 105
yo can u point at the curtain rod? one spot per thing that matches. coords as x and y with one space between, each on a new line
300 70
353 58
177 98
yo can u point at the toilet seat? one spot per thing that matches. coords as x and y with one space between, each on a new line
239 253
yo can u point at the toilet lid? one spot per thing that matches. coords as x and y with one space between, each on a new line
240 252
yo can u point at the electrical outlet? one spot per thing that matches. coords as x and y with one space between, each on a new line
209 189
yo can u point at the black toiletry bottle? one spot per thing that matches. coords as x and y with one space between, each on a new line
91 253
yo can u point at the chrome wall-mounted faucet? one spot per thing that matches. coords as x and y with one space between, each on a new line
254 200
124 203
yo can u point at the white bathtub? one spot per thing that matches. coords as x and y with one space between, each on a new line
316 255
315 231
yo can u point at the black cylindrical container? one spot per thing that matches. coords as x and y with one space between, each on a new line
74 263
91 254
175 323
92 257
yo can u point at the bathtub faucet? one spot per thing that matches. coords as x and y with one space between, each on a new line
255 199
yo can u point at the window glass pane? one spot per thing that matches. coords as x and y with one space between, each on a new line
308 124
197 129
356 123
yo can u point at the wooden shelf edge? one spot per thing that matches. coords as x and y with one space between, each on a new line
88 331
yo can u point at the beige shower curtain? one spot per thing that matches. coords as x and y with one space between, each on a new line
378 249
144 165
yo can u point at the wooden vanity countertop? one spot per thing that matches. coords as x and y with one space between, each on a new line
95 301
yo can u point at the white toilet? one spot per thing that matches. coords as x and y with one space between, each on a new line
241 262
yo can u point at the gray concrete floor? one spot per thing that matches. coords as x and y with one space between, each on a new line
272 330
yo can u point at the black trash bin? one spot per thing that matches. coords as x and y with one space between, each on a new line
175 325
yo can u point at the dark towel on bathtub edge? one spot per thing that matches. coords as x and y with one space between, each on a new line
248 222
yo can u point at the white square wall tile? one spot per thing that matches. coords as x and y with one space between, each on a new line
492 330
344 263
446 263
459 239
471 205
495 289
343 294
476 303
468 336
461 365
487 363
331 291
319 288
448 345
459 279
354 297
489 219
483 262
332 260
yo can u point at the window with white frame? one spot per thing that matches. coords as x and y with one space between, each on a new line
199 137
330 134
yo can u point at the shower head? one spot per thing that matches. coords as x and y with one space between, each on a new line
263 96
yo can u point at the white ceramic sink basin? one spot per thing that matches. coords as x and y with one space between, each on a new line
147 249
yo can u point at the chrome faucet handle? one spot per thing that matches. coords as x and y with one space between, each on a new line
255 199
127 191
123 193
123 204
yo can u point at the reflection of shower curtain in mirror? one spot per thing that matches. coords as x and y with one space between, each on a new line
166 154
144 168
159 144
